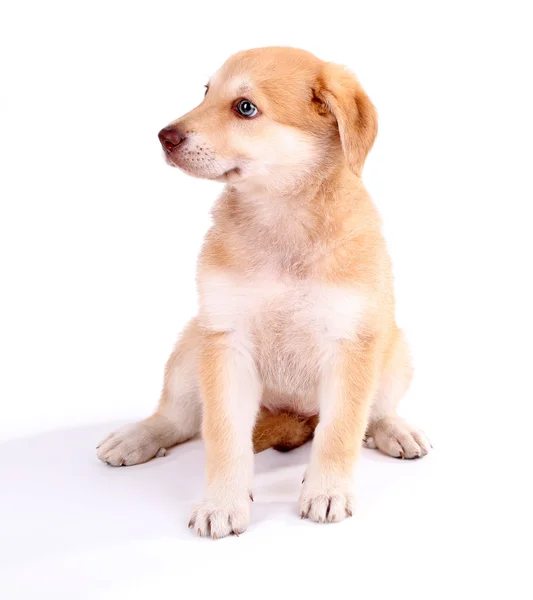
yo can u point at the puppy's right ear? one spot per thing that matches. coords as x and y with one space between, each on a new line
355 114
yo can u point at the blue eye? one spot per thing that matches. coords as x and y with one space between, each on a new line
246 109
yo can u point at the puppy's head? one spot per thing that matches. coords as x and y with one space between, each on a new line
273 116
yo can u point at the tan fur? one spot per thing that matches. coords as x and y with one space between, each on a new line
296 305
282 431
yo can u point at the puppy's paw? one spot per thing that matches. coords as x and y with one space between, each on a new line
325 503
395 437
219 517
130 445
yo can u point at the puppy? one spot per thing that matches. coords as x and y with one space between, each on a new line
296 306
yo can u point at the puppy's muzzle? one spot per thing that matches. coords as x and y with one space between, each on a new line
171 138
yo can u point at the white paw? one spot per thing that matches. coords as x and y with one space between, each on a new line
325 503
395 437
130 445
219 517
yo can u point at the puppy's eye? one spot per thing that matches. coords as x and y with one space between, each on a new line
246 109
206 90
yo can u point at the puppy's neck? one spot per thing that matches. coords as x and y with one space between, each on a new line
287 227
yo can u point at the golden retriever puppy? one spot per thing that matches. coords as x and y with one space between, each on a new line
296 305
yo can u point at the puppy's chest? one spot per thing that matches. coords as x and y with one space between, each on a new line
287 324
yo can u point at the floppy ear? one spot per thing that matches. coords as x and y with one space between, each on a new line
356 116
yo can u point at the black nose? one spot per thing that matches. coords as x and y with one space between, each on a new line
170 138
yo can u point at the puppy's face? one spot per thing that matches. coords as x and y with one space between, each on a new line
272 116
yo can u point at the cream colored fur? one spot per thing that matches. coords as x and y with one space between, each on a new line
295 291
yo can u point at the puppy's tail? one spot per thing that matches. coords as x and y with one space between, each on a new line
282 431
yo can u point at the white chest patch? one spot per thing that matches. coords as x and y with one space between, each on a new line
290 325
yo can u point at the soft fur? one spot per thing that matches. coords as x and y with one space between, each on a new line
296 312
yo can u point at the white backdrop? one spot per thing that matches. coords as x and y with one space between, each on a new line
98 237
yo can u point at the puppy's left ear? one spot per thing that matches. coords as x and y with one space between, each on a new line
356 116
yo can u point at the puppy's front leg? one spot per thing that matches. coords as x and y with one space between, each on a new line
231 394
347 384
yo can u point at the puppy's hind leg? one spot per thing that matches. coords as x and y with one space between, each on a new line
177 418
387 431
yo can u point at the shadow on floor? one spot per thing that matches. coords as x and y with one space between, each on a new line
58 497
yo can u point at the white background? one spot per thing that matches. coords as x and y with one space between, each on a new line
98 241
